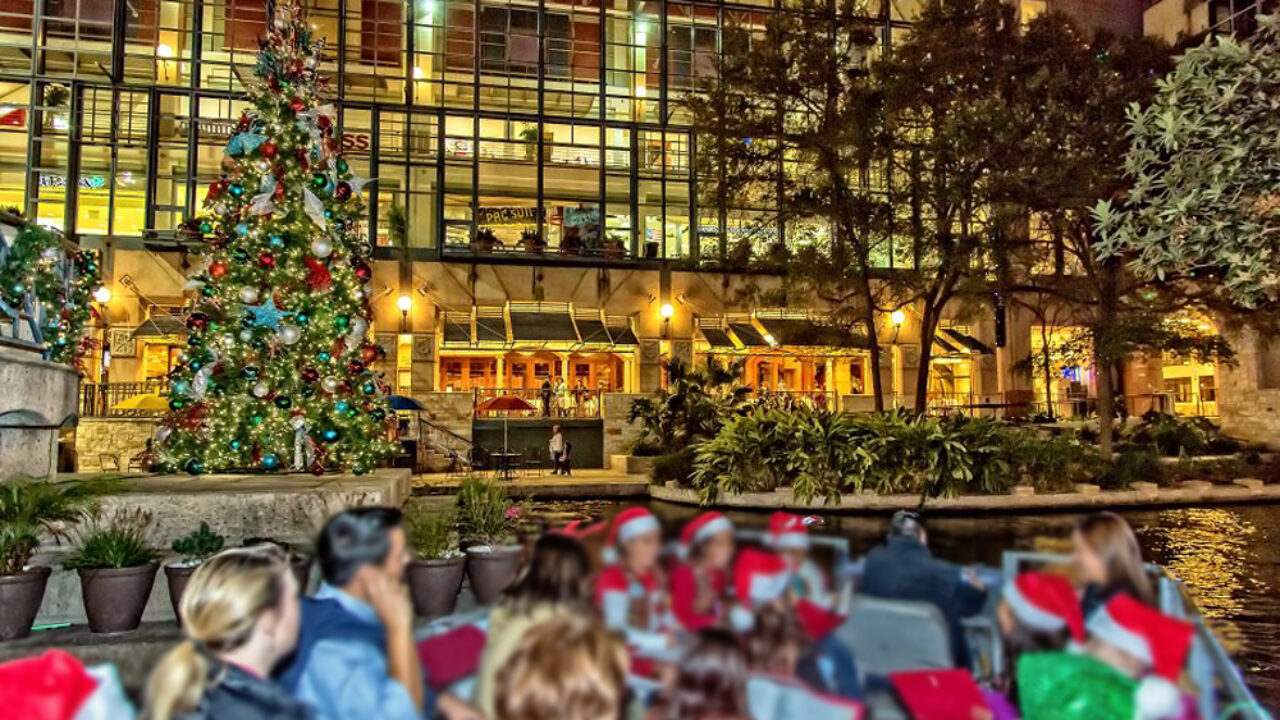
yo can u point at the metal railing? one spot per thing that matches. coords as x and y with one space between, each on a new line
787 398
100 400
543 403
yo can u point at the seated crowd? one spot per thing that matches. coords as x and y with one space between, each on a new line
717 633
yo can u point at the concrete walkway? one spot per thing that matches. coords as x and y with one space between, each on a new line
585 484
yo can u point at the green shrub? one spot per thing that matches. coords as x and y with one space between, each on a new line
120 540
199 545
485 515
432 535
676 466
695 403
1173 435
1133 463
30 507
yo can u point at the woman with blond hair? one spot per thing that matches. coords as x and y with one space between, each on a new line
240 615
567 668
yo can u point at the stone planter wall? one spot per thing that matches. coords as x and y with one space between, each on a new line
38 398
107 444
618 433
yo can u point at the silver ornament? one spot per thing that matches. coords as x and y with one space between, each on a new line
249 295
261 389
321 247
246 335
330 384
290 334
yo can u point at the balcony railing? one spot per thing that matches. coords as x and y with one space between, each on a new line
569 403
100 400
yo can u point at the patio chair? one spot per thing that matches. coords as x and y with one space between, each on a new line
534 462
109 463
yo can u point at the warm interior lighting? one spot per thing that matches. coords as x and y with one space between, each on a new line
897 317
418 73
667 311
404 303
164 51
102 295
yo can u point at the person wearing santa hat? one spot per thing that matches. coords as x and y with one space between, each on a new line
789 537
699 580
631 590
778 637
1038 612
1128 669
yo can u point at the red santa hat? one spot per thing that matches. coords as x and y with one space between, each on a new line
1045 602
758 577
701 528
1158 640
627 526
790 532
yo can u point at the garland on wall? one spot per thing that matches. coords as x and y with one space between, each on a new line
49 284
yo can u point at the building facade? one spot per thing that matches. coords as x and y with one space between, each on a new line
535 211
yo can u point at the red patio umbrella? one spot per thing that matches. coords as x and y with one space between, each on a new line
505 403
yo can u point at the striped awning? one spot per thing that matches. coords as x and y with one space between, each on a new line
620 332
457 328
591 329
539 322
748 335
949 341
802 332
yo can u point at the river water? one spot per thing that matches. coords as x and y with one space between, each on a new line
1228 557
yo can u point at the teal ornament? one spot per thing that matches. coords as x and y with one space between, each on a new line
358 470
269 462
196 365
242 229
256 419
302 318
276 241
342 321
368 388
249 372
330 435
283 402
377 413
323 356
328 214
237 189
267 314
193 466
341 406
234 445
182 387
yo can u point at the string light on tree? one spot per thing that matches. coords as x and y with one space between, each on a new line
277 374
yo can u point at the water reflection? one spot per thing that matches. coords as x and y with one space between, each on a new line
1227 557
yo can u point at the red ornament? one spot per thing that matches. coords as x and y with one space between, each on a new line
317 468
369 353
363 271
310 375
324 122
278 194
266 260
297 105
268 149
217 269
318 275
243 123
217 188
355 366
342 192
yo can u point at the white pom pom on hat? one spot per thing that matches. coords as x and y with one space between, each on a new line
1157 699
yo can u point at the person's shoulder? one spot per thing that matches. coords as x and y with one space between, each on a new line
611 577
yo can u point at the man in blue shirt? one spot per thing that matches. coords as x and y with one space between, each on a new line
356 656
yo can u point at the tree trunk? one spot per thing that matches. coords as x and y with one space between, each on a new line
1048 370
928 327
873 345
1106 406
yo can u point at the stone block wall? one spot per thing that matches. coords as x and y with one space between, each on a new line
449 410
618 433
1248 408
99 440
36 398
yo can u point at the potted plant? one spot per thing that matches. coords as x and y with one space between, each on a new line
435 574
117 568
531 241
298 562
529 136
486 240
28 508
194 549
487 521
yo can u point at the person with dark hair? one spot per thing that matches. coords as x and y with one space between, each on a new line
1108 561
356 657
904 569
710 681
553 585
700 579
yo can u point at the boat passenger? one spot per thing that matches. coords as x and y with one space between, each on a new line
631 591
1108 561
553 585
789 537
700 579
709 683
567 668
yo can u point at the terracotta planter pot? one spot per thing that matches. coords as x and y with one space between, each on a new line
115 598
20 598
492 571
434 585
178 576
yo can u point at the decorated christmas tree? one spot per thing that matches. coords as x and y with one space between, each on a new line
278 372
